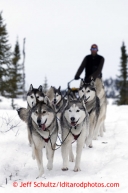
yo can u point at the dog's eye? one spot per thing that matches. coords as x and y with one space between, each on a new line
88 90
37 97
70 110
32 97
78 111
82 91
36 112
44 112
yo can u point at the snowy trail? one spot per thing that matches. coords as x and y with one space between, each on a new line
106 162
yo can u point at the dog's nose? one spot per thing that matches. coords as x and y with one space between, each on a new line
39 121
72 119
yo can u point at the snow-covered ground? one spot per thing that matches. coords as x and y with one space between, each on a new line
106 162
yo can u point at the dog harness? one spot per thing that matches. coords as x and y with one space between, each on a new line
76 136
46 140
90 111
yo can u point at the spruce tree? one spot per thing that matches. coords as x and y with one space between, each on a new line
45 85
15 82
5 56
123 78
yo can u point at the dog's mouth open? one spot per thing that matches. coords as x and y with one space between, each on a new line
43 126
74 124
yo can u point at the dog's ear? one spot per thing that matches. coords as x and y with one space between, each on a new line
47 101
40 88
84 105
83 101
92 83
67 102
81 83
53 88
30 88
92 78
59 88
81 92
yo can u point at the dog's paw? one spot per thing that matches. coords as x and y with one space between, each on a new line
33 156
95 138
64 169
101 134
90 146
71 158
84 146
76 169
30 145
88 141
49 166
41 174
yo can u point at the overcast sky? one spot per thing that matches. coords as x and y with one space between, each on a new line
59 34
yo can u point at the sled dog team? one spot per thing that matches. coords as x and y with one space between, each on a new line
77 118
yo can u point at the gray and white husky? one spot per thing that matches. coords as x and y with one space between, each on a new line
34 95
57 101
103 107
74 125
94 93
43 128
88 90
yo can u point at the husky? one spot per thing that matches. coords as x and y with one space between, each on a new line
103 107
34 95
100 92
88 90
74 126
43 128
57 101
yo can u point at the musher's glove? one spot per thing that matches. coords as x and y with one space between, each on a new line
77 78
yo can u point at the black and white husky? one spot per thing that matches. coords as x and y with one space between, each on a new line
74 126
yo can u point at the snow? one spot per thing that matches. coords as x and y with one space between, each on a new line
106 162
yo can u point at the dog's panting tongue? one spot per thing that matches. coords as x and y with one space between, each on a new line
43 127
73 123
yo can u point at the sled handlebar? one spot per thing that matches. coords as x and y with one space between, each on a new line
73 89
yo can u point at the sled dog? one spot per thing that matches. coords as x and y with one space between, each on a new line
100 92
33 96
74 126
43 128
103 107
88 90
57 101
